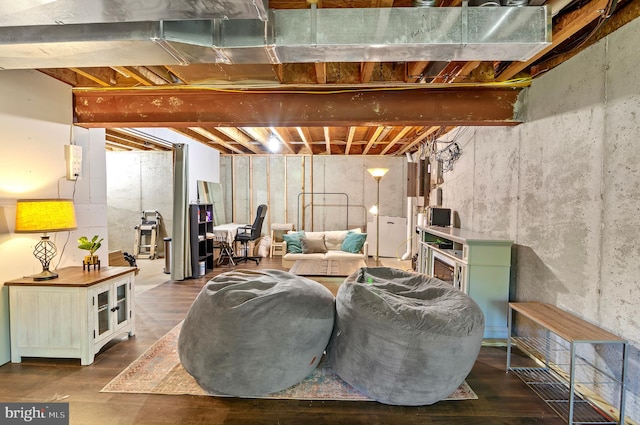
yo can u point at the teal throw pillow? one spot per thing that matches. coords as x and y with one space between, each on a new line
294 245
353 242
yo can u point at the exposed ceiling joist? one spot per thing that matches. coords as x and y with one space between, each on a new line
565 27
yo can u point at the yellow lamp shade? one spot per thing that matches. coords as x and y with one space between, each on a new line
377 173
45 215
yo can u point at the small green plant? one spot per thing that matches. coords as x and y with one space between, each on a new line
90 245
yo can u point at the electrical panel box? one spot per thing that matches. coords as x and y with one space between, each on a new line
73 157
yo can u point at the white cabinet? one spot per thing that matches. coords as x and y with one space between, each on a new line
72 316
111 308
480 267
393 236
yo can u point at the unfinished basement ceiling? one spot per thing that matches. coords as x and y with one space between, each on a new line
336 78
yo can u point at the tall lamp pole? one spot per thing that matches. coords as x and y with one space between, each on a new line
377 173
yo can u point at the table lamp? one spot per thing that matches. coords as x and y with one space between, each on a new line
44 216
377 173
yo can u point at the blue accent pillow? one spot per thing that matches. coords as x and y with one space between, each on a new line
294 245
353 242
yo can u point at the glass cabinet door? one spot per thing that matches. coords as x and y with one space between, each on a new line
112 305
122 301
103 313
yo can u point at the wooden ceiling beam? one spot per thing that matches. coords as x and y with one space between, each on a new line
351 133
305 135
321 72
240 138
420 138
215 139
188 132
139 142
140 74
259 134
124 144
327 140
455 72
566 26
284 135
415 71
624 15
366 71
201 107
396 139
373 139
102 76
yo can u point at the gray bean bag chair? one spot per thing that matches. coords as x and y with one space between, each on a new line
251 333
404 338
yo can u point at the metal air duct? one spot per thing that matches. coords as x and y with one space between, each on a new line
288 36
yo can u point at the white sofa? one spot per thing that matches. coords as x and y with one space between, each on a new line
333 241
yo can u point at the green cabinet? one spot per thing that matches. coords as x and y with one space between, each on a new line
479 266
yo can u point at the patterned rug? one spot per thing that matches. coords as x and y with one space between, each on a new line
158 371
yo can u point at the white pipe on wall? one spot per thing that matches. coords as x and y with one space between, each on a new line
410 226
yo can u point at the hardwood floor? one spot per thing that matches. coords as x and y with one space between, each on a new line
503 398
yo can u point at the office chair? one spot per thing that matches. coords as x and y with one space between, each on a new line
250 233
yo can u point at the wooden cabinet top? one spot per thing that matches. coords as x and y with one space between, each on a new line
75 277
463 236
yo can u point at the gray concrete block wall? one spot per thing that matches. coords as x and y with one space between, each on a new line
565 186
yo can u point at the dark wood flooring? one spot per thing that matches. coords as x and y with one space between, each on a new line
503 398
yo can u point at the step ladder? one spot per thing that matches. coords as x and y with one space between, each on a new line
146 237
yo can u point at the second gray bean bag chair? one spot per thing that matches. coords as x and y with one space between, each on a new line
251 333
404 338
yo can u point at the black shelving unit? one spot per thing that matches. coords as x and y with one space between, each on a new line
202 241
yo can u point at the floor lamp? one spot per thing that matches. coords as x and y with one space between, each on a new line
377 173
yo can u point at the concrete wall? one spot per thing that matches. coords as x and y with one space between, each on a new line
279 180
144 181
565 186
138 181
36 123
204 162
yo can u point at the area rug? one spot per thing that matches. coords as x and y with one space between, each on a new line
158 371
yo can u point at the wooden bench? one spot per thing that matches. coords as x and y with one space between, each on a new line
574 331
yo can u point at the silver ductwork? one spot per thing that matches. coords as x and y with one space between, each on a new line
287 36
65 12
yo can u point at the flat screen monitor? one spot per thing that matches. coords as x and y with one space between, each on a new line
440 217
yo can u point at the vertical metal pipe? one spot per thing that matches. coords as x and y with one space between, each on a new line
233 190
378 223
312 197
268 159
304 158
251 209
286 198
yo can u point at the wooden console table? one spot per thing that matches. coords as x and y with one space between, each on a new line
72 316
481 267
555 380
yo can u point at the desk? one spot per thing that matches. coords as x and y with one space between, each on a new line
226 232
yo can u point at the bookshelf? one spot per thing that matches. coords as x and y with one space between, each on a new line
201 237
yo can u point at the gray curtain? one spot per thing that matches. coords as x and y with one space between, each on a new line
181 259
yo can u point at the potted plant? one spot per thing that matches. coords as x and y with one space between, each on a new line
92 246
